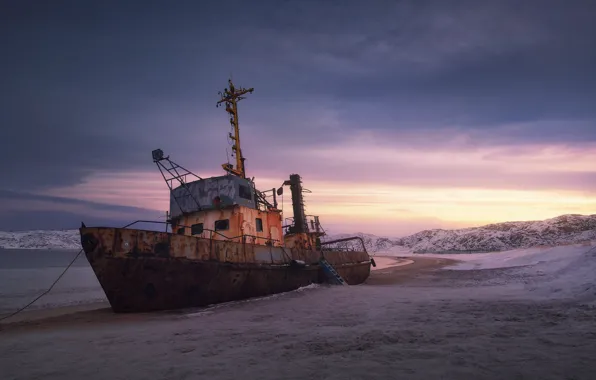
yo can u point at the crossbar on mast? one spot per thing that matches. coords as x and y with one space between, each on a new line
231 96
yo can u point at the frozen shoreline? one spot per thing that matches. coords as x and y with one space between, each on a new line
416 322
94 311
41 313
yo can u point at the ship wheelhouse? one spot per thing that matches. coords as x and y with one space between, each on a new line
227 207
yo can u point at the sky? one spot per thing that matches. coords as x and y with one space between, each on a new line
399 115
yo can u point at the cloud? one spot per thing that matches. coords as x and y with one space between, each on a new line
399 36
22 211
419 94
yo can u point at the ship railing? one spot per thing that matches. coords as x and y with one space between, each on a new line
312 221
458 251
241 238
345 244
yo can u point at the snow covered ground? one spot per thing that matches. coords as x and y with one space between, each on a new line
518 314
564 229
41 239
505 259
552 272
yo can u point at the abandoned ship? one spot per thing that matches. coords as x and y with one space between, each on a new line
226 242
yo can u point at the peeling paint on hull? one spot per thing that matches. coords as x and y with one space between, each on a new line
147 271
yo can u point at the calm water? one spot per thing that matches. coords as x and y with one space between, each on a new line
24 274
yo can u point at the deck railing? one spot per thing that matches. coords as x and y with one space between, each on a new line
312 221
241 238
346 244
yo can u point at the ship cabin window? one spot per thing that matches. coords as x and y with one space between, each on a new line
245 192
259 224
180 231
196 229
222 225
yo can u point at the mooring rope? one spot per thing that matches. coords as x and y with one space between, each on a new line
44 293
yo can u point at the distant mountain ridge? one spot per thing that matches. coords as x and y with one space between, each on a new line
41 239
564 229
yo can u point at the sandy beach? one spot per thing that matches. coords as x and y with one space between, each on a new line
414 318
389 270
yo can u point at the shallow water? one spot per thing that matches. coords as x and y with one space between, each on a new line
24 274
27 273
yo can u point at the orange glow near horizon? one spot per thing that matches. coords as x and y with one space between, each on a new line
373 208
380 187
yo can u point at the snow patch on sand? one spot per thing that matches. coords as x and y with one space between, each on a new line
555 257
566 272
209 309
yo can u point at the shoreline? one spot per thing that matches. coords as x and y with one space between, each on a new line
405 268
385 262
53 312
414 317
390 270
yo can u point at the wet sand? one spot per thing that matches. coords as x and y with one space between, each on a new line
411 321
398 270
389 270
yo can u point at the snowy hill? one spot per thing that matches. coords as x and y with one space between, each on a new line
58 239
372 243
562 230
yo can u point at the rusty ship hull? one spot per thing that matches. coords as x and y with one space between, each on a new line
142 271
228 241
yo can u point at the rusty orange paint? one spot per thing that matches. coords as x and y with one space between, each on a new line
147 270
242 223
118 242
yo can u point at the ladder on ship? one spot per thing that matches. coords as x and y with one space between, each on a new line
331 273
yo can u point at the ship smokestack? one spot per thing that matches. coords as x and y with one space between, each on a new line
300 225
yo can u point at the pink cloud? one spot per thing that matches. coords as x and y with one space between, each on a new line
397 184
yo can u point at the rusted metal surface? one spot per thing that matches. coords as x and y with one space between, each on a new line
135 285
121 242
230 97
337 258
242 222
304 241
354 274
146 270
206 190
345 240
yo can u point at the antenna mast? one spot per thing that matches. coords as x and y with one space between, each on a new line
231 96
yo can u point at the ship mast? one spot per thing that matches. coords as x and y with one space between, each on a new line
231 96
